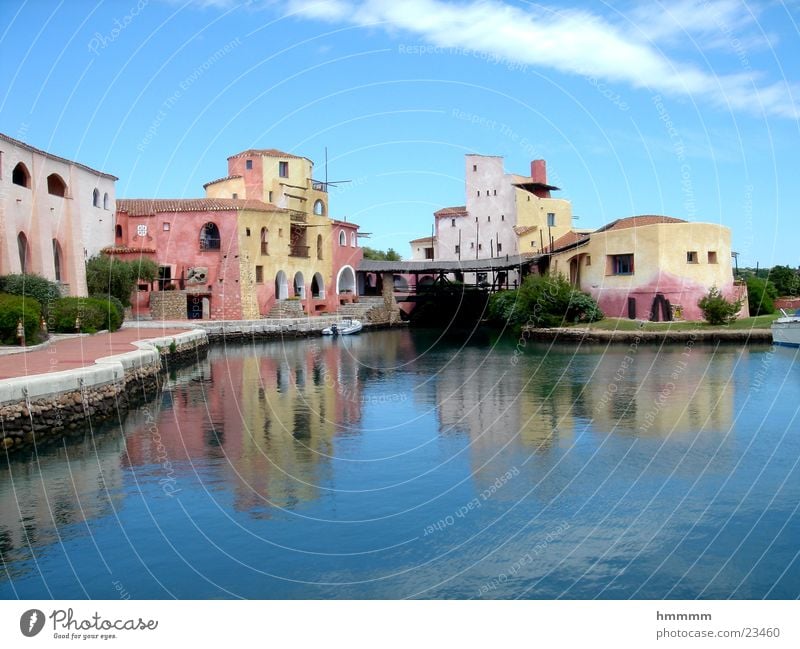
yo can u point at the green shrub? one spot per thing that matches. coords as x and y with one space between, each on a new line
115 304
14 308
544 301
760 296
716 309
40 289
107 275
94 313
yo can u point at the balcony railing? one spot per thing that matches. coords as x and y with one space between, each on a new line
210 244
319 186
299 251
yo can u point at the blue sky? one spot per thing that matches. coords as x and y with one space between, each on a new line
687 108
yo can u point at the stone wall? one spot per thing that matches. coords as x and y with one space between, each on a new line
168 305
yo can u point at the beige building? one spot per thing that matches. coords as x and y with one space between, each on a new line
54 214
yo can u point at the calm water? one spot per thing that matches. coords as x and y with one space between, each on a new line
394 465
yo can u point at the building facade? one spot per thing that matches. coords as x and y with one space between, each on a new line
54 214
236 254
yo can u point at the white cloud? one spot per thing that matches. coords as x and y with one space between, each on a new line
576 41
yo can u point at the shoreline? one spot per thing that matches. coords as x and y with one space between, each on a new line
572 335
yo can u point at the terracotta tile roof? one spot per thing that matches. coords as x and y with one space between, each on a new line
423 240
21 145
148 206
219 180
569 239
639 221
270 153
522 230
451 211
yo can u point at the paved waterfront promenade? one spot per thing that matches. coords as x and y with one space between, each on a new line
79 351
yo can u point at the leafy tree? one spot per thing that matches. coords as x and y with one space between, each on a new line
544 301
106 275
717 309
380 255
785 279
760 296
40 289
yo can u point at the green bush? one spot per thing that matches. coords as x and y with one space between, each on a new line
113 303
14 308
760 296
716 309
544 301
107 275
95 314
785 279
40 289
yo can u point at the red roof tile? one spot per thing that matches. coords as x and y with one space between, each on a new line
569 239
270 153
451 211
147 206
639 221
522 230
219 180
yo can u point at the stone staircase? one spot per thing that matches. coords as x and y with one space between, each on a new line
286 309
370 310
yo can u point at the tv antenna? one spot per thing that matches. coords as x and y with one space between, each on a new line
328 183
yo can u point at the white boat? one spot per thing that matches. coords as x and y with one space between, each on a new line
786 330
344 327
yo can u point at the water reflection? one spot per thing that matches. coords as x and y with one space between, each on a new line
342 447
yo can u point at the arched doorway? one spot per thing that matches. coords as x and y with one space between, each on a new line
299 286
317 287
281 286
346 280
24 252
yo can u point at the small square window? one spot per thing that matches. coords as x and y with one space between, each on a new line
165 227
480 246
489 218
474 167
259 274
499 247
691 257
270 197
248 164
495 192
280 232
452 223
472 245
502 217
458 249
588 260
479 192
621 264
247 231
712 256
551 219
533 244
234 195
283 169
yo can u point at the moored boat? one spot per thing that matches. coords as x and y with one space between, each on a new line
345 327
786 330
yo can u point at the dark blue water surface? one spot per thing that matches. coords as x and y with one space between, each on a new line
395 464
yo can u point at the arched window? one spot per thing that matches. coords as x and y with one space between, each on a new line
264 241
57 257
24 252
105 201
118 232
342 238
209 237
21 176
96 197
319 208
353 239
319 246
56 185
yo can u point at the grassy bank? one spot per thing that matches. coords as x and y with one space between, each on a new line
623 324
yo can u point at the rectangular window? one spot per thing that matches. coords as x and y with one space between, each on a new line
247 231
588 260
712 256
499 247
471 245
495 192
502 217
280 232
474 167
259 274
551 219
428 253
283 169
270 197
479 192
489 218
691 257
480 246
234 195
458 249
452 223
533 244
248 164
621 264
165 227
